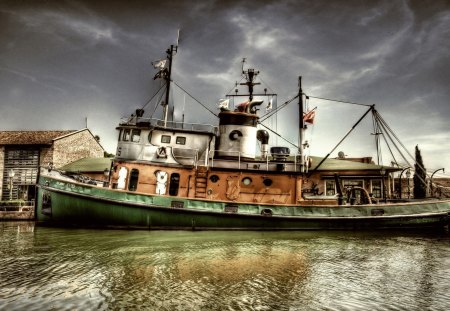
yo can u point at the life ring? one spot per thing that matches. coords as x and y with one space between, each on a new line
161 152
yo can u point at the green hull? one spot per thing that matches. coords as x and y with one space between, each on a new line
67 203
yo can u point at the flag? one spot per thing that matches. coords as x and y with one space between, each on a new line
159 63
224 103
309 116
269 105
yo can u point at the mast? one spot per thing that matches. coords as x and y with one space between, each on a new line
301 124
250 75
170 53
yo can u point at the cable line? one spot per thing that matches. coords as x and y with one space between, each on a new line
196 100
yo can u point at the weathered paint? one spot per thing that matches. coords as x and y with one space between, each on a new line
74 203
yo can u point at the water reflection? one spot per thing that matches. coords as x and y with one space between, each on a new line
67 269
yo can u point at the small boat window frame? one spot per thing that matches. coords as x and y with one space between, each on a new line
376 190
135 135
330 187
165 139
126 135
180 140
350 183
120 135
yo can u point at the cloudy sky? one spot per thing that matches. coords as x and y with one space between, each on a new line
64 61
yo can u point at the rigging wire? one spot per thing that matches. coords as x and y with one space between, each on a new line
389 131
387 128
294 145
148 101
266 84
156 105
271 113
196 99
388 134
376 133
339 101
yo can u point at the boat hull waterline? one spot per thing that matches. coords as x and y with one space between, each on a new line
66 203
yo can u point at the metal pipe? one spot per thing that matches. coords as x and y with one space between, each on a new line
431 179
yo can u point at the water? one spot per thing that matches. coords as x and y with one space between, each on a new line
78 269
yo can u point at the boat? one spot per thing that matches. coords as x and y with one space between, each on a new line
178 175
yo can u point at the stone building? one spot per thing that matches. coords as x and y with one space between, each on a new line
22 152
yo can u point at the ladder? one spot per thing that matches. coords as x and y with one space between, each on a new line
201 180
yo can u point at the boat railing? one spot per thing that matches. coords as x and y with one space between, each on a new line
274 158
197 127
186 156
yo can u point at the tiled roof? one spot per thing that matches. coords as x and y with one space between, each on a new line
30 137
88 165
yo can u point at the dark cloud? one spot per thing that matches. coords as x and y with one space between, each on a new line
62 61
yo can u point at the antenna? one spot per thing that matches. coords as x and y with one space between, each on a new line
243 61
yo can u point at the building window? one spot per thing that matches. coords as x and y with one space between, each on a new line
165 139
376 188
181 140
330 187
136 136
126 135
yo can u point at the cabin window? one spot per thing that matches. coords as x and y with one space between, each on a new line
174 184
330 187
126 135
246 181
350 183
136 136
214 178
134 176
165 139
120 134
376 188
181 140
267 182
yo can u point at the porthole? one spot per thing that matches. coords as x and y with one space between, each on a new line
246 181
214 178
267 182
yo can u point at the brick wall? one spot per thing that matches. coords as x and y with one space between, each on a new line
74 147
46 156
2 165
